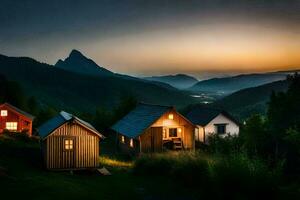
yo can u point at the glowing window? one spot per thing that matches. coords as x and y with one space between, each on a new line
69 144
164 133
171 116
123 139
12 126
172 132
3 113
131 143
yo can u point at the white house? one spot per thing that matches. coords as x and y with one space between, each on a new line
210 121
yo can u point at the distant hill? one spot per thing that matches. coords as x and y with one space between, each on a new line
232 84
74 91
180 81
77 62
245 102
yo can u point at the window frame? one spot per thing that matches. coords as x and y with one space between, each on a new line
170 134
73 144
123 139
10 129
217 126
4 111
131 143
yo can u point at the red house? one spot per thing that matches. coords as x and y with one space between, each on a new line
14 119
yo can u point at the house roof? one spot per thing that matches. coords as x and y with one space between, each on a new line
47 128
18 110
202 116
139 119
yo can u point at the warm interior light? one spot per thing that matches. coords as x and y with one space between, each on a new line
171 116
123 139
131 142
3 113
12 126
68 144
179 130
164 133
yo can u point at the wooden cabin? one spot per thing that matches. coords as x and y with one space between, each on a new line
69 143
210 121
14 119
154 128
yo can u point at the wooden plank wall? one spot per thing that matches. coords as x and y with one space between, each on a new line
151 140
85 152
178 121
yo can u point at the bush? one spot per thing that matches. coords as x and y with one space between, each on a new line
238 175
18 137
224 145
218 176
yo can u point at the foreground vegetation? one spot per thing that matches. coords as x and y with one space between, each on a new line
171 175
22 175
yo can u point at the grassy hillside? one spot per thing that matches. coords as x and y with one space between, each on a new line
22 175
72 91
251 100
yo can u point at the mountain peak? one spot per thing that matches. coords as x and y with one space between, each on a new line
77 62
76 53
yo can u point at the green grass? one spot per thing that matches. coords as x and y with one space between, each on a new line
175 175
22 175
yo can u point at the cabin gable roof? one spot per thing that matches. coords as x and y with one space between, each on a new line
202 116
63 117
139 119
17 110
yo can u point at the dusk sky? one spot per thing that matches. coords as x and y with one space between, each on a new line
154 37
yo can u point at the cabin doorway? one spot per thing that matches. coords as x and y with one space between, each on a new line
173 137
152 140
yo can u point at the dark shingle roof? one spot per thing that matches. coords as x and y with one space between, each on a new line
202 116
139 119
63 117
19 111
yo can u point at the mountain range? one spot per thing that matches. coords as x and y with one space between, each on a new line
180 81
232 84
79 84
244 103
72 86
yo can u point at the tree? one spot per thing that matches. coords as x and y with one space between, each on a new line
103 119
255 135
284 113
127 103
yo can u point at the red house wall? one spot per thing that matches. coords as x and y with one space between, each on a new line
24 123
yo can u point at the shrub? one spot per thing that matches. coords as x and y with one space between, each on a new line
218 176
238 175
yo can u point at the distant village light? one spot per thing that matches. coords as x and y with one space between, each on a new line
171 116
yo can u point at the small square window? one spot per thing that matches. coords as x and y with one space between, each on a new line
69 144
3 113
221 128
173 132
